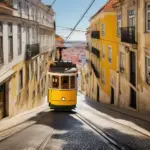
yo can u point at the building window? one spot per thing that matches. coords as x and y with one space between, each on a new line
110 53
27 94
10 41
103 29
19 40
27 36
20 79
33 94
19 6
119 25
27 73
148 17
122 62
103 51
1 42
131 20
103 76
147 69
32 12
38 89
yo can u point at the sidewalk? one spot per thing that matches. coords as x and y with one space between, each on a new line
131 119
139 115
7 124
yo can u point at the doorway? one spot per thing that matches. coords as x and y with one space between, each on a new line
97 93
132 98
132 68
112 95
3 101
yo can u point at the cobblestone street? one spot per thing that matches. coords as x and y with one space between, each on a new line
90 126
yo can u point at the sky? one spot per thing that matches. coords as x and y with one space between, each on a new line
68 12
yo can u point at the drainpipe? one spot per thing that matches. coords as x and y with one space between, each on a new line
119 63
137 58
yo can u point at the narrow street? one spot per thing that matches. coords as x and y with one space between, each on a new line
90 126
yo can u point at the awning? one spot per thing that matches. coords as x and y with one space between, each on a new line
6 75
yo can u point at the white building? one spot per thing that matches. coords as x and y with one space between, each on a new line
27 39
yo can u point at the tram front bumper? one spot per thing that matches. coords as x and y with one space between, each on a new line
52 106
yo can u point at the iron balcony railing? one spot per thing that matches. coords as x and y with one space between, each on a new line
95 70
8 3
95 34
128 35
96 52
32 50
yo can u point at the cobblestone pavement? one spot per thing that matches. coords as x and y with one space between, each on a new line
56 130
66 131
123 128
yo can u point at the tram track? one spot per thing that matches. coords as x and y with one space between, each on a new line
106 137
45 141
119 123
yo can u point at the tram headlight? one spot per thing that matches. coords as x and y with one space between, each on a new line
63 98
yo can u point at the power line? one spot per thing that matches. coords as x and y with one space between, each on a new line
80 19
53 3
50 7
65 28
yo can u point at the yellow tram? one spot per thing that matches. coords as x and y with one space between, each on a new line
62 85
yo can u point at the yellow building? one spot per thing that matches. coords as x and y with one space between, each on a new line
104 55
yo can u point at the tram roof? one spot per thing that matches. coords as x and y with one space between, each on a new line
63 67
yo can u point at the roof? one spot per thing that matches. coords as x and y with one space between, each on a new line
108 5
63 67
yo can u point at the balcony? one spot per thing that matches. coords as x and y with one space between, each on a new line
96 52
32 50
95 70
128 35
95 35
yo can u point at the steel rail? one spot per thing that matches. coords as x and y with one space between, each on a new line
106 137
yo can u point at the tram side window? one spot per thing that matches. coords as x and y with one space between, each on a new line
65 82
72 82
55 82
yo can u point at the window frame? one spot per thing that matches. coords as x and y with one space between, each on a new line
103 76
10 42
119 21
110 53
147 67
58 82
103 29
122 62
1 44
19 39
20 80
61 86
147 20
70 87
131 17
103 51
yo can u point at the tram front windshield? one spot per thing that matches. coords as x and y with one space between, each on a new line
65 82
62 82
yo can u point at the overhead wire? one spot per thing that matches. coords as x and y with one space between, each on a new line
80 19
